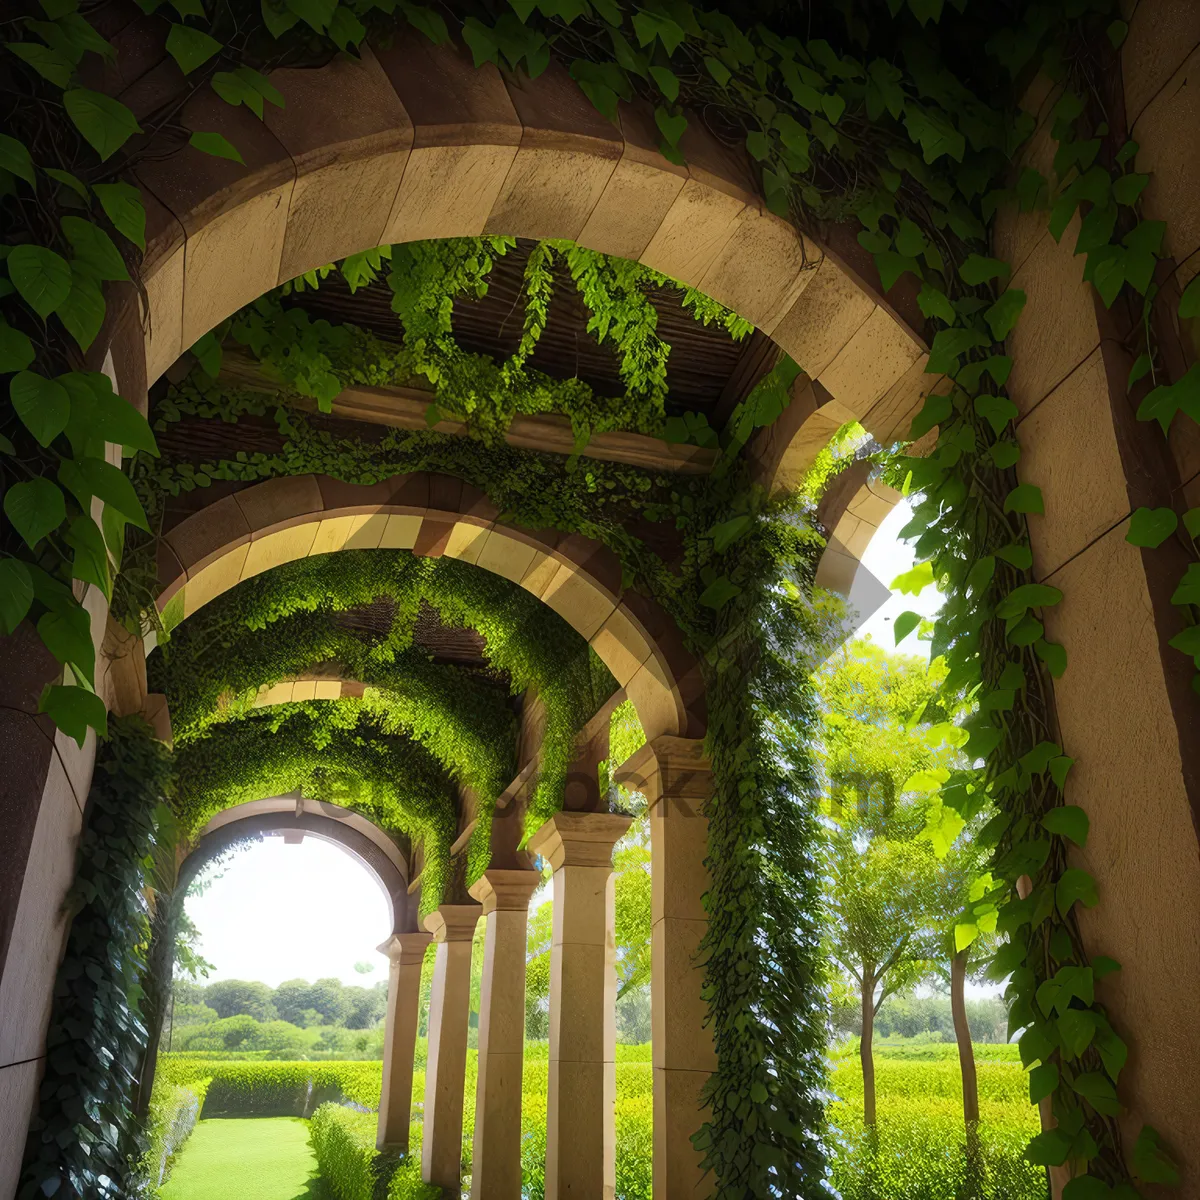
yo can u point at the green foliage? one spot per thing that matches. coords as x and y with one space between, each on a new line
85 1140
265 1088
174 1111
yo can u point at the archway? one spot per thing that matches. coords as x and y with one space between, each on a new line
255 221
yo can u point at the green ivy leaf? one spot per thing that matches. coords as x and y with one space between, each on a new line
1048 1149
42 277
16 350
16 593
14 157
1068 821
1188 591
91 555
74 710
50 64
1002 316
949 345
277 18
191 48
67 633
719 593
672 127
1103 965
347 30
122 204
215 144
997 411
1188 641
82 312
95 249
1053 655
933 302
1097 1089
1024 498
668 82
648 26
1020 556
1117 32
1043 1080
105 123
718 70
35 509
935 410
1140 369
914 582
69 181
43 405
1027 596
315 13
906 622
87 477
1151 1163
1191 522
1059 767
727 532
105 414
1151 527
977 270
1075 886
1005 454
1087 1187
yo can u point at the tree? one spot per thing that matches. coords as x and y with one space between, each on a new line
328 997
365 1006
876 708
633 899
239 997
879 894
291 998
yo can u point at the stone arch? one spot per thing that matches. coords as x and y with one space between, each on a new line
414 142
267 524
851 512
293 818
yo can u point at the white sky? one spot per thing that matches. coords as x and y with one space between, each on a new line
280 912
886 557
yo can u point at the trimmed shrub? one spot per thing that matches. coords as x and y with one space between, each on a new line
264 1089
174 1111
344 1143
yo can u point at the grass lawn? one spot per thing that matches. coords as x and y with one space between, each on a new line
261 1158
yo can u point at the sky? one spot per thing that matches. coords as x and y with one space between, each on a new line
278 912
886 557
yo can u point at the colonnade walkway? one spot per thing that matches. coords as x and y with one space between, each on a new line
255 1158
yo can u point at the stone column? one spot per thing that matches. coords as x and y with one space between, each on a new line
405 952
676 779
496 1160
453 927
580 1103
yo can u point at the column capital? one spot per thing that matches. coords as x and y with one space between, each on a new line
579 839
453 922
401 947
669 766
508 890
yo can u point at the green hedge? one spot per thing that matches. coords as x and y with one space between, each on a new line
344 1143
174 1111
274 1088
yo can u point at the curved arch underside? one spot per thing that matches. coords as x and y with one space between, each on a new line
292 818
281 520
414 142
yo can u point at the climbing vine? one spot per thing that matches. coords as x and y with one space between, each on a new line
85 1139
850 110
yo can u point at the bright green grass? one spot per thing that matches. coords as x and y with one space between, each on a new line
260 1158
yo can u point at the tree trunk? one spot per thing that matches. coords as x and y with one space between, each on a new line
962 1034
865 1053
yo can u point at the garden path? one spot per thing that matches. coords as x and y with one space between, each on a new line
259 1158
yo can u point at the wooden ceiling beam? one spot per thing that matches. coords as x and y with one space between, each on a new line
406 408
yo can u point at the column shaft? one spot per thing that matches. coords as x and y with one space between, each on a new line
676 779
581 1099
406 952
496 1158
453 926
